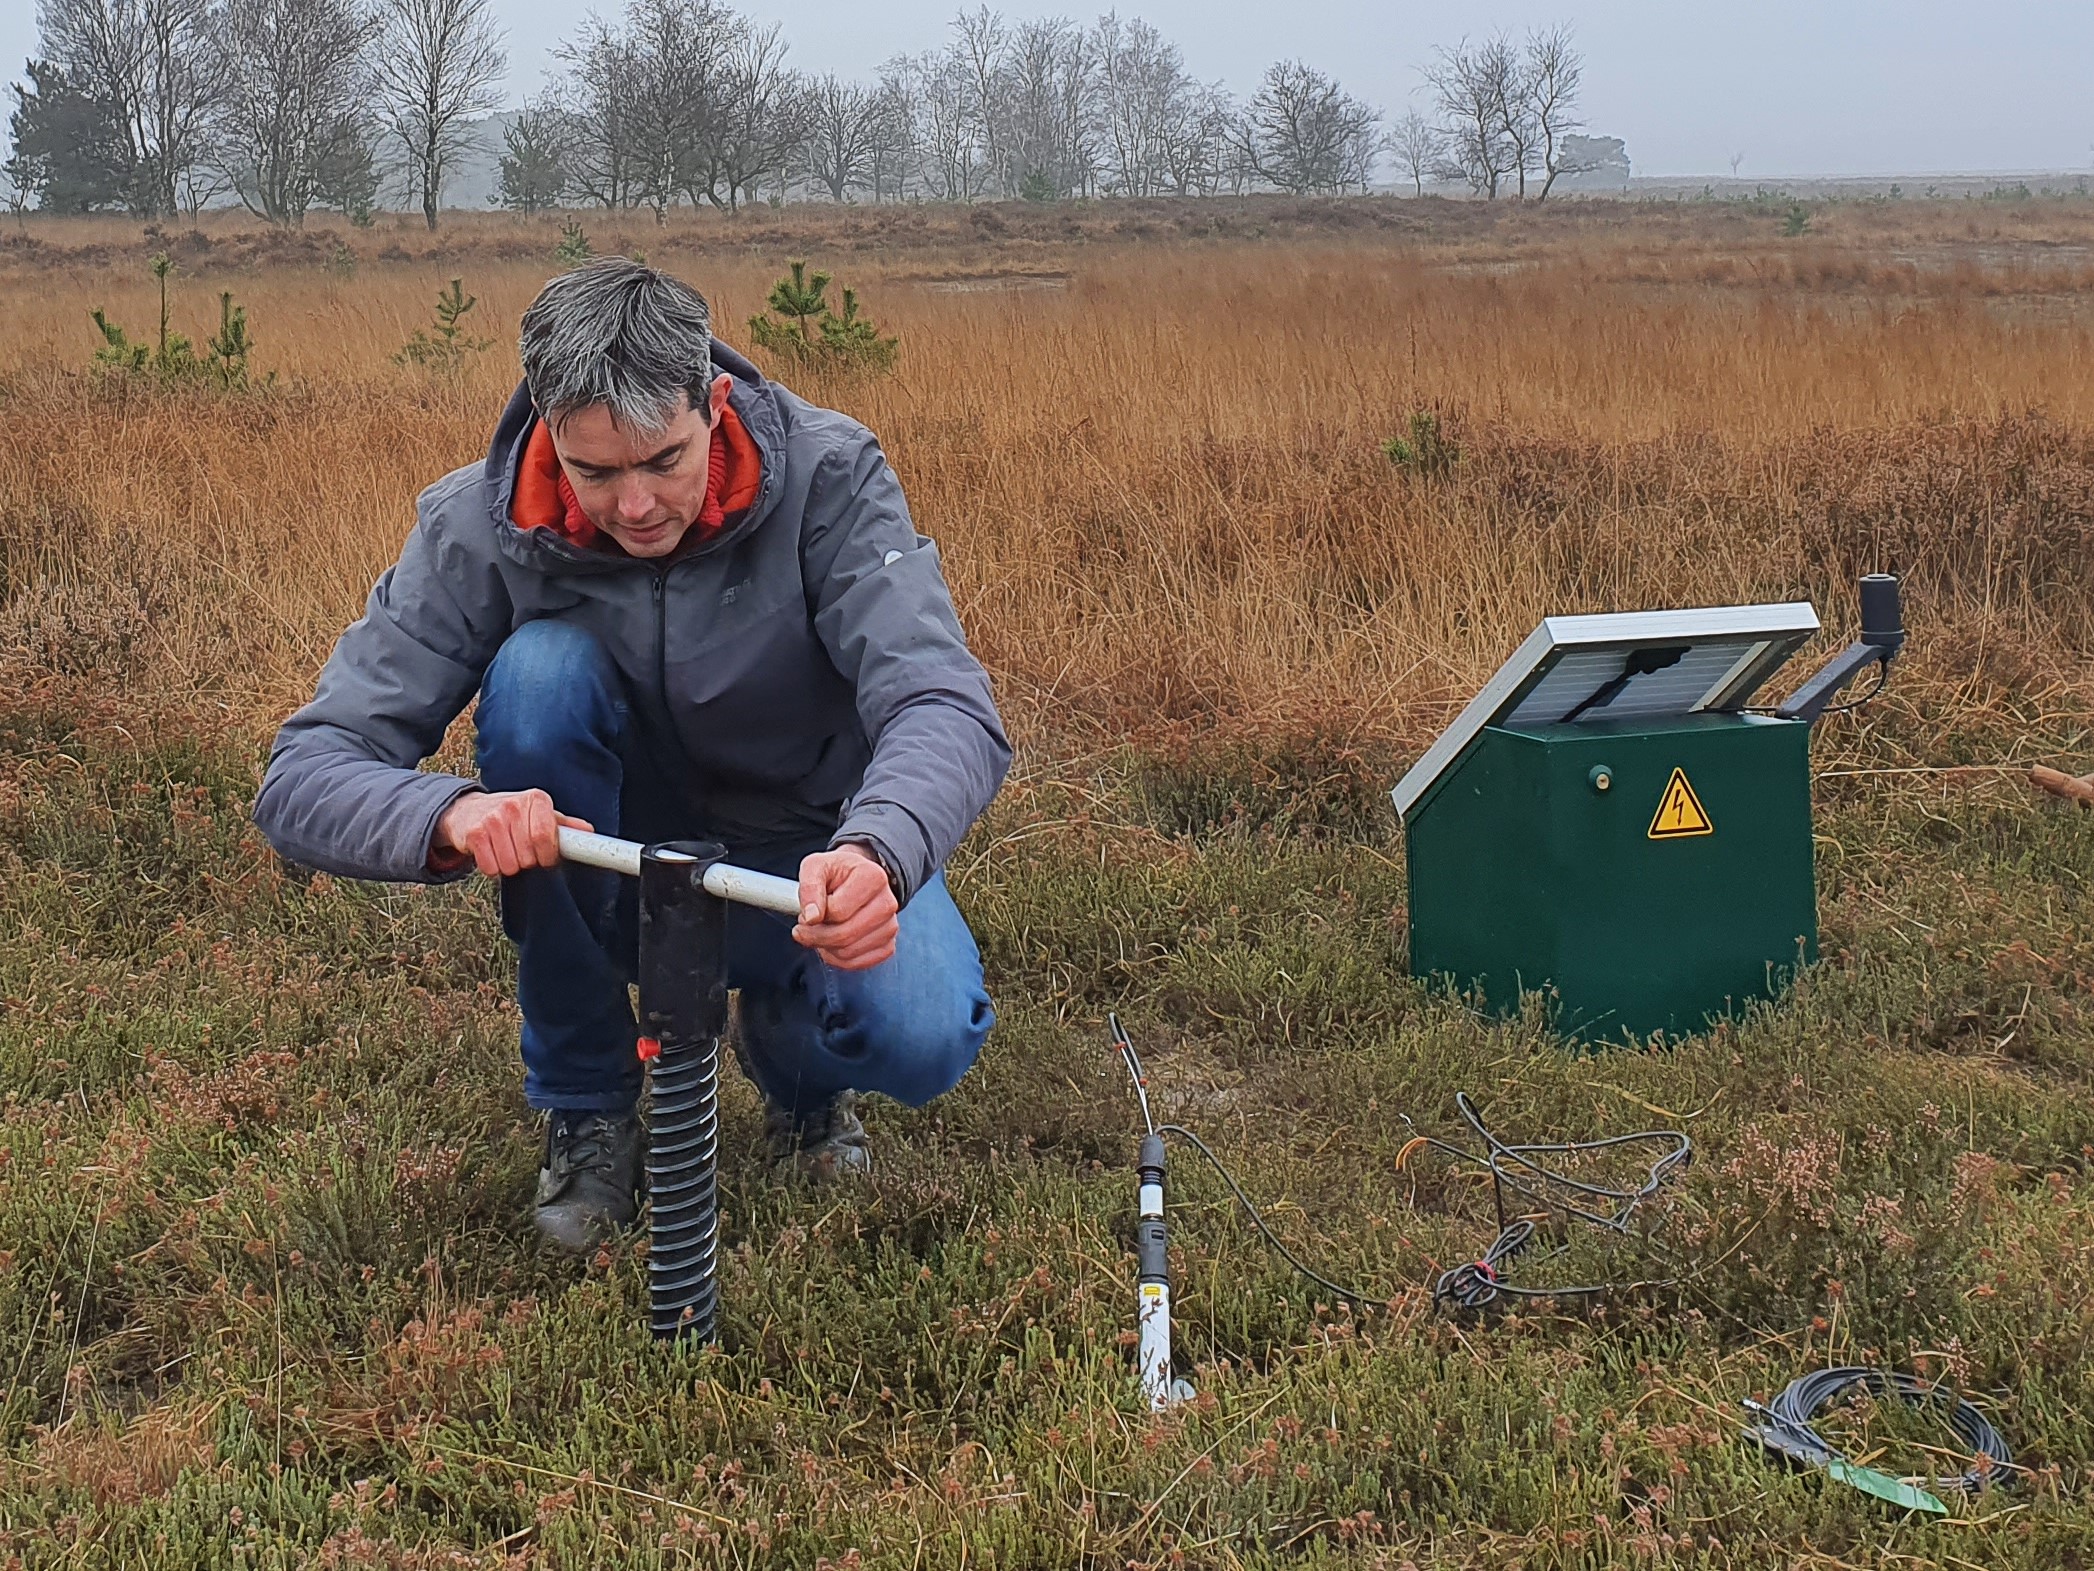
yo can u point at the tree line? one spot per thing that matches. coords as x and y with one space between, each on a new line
166 106
159 107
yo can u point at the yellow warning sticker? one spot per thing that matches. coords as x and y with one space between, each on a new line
1680 812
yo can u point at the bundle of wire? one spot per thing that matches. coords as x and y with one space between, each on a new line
1473 1285
1520 1170
1787 1423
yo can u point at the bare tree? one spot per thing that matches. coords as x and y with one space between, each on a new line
1195 145
1136 70
973 63
1305 134
293 127
844 129
953 158
597 100
895 146
758 118
1471 86
1041 96
1048 109
679 49
437 64
1510 72
162 67
1552 77
1158 129
1418 148
1076 113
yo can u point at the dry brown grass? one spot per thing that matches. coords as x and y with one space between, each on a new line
267 1294
1156 469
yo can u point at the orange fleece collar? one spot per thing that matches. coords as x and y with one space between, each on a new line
545 500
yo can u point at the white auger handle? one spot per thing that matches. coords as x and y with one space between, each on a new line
739 884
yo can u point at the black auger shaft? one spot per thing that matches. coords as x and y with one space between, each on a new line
685 887
683 1011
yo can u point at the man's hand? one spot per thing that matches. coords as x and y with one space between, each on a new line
848 913
500 832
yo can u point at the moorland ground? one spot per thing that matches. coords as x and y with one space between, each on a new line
267 1291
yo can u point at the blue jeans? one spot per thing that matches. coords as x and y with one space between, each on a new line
554 714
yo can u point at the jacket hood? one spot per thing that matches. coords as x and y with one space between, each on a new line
753 398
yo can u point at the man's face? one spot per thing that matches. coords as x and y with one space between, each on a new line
643 490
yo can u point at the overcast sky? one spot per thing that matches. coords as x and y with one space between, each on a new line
1800 87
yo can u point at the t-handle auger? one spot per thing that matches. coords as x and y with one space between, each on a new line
684 890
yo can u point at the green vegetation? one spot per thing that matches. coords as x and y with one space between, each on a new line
807 332
269 1299
574 248
1428 452
448 345
171 360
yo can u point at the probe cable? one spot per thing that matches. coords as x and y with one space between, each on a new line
1476 1283
1350 1295
1786 1425
1132 1059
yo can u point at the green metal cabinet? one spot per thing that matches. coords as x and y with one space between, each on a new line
1564 857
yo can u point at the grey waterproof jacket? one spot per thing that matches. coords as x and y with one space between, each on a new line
802 670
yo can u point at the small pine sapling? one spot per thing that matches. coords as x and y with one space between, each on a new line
226 351
171 359
118 353
574 248
1428 451
802 301
449 345
807 332
856 340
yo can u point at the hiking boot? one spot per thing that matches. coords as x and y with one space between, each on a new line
823 1145
585 1188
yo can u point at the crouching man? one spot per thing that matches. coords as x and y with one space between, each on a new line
692 606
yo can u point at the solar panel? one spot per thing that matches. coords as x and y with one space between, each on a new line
1640 665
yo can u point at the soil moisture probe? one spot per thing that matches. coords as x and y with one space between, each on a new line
684 889
1153 1287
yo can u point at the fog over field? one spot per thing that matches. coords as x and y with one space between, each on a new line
1873 87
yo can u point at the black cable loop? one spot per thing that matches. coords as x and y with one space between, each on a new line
1788 1422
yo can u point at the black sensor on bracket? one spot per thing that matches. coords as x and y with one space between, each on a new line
1882 636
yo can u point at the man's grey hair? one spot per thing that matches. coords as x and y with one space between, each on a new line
620 334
